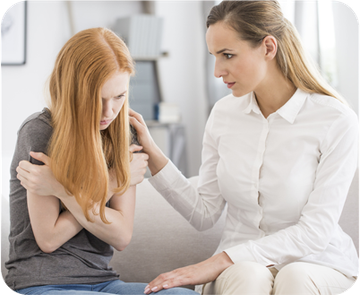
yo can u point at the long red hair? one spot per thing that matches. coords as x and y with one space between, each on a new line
82 155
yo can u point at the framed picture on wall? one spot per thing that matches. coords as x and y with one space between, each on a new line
13 35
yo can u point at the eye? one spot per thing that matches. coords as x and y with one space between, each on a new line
228 55
120 97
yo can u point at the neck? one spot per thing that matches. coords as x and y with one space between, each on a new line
274 93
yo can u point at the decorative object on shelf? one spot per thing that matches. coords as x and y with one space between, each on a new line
13 35
167 112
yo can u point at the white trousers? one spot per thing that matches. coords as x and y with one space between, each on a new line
251 278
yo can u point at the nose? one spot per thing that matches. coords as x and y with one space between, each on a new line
107 109
219 70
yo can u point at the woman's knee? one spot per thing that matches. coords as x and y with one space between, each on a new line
302 278
247 270
294 279
242 278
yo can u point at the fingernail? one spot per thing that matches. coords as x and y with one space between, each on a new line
165 286
146 290
153 289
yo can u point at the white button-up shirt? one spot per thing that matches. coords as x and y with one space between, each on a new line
284 178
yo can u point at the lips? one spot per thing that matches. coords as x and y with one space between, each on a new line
229 84
105 122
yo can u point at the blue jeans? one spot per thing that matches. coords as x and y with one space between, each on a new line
112 287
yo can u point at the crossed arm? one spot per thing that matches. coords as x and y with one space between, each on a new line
53 228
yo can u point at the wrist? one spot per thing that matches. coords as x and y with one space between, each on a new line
157 160
62 194
223 261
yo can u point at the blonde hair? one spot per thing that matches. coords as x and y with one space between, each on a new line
81 155
254 20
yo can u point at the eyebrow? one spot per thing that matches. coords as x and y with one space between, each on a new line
117 95
221 51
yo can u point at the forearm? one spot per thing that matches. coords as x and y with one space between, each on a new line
118 232
157 159
50 229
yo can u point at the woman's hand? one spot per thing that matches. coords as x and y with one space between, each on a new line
138 165
157 159
38 179
143 134
197 274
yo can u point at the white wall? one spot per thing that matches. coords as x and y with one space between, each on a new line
347 52
182 74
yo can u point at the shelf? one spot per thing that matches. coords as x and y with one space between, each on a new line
150 58
155 123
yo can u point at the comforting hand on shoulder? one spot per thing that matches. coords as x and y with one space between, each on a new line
38 179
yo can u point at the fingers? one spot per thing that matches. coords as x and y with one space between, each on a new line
41 157
139 157
137 116
138 167
134 114
167 280
135 123
25 168
134 148
21 177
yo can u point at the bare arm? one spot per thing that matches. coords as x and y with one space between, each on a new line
42 188
51 229
118 232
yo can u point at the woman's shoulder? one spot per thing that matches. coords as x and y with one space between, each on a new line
340 118
330 104
36 130
37 121
40 118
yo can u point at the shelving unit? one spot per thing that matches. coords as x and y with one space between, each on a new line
145 88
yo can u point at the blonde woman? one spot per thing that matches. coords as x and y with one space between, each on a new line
72 197
280 151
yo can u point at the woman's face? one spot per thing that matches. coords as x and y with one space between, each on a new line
242 67
113 94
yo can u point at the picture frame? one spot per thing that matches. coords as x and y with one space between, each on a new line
13 35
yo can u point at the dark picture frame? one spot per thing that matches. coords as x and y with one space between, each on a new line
13 35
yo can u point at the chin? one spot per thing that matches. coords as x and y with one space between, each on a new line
102 128
240 92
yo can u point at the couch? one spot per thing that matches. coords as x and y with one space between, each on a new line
163 240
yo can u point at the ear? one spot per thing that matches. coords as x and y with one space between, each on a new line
270 44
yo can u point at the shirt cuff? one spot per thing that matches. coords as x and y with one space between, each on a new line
164 178
240 253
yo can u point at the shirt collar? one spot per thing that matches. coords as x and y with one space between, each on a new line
290 109
253 105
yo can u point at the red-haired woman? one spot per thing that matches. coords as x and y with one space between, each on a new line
73 200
